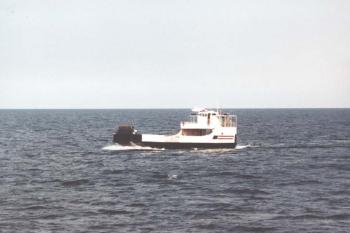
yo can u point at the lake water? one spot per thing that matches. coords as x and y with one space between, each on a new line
59 172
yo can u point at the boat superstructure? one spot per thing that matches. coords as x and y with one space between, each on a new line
205 129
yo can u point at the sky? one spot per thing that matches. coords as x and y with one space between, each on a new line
174 54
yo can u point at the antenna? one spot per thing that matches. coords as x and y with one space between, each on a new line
217 106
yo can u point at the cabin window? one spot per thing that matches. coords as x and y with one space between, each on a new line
227 121
196 132
193 118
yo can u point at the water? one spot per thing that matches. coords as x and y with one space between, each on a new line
60 173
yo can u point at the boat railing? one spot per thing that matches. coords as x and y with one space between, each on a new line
224 120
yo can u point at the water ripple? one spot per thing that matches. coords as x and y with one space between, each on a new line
289 173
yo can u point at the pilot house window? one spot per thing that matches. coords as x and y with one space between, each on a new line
227 121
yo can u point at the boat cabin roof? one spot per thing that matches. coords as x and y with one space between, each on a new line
205 112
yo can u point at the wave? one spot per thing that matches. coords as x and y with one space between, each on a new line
303 145
238 147
241 147
72 183
172 176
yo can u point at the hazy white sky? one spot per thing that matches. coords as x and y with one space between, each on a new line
183 53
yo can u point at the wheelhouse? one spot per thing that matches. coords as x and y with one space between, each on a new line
202 120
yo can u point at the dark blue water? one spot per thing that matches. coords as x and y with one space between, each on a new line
290 173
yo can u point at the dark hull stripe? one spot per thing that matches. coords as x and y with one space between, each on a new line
176 145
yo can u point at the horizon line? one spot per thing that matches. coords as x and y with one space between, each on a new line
172 108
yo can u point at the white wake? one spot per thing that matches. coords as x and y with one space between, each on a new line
117 147
241 147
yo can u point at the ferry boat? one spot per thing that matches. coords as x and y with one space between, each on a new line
205 129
